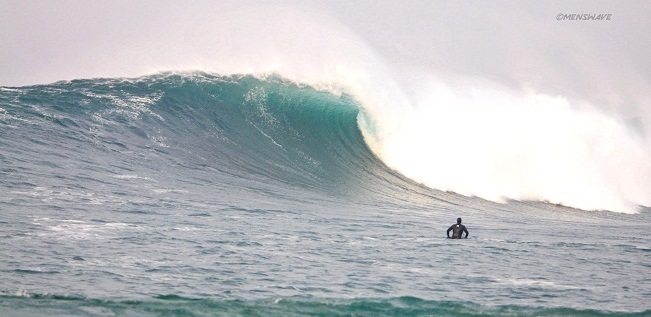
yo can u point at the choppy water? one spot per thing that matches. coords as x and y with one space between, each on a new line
203 195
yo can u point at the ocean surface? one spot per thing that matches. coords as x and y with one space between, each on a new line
198 194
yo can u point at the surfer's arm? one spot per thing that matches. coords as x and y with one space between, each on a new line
466 231
449 229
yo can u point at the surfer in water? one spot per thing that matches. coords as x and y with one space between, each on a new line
457 229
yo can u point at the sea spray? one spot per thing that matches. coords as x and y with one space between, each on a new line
499 144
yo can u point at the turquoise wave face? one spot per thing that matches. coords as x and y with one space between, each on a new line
198 130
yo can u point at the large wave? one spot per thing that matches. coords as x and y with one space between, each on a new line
193 134
474 137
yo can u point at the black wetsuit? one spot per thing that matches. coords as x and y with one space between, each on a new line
457 229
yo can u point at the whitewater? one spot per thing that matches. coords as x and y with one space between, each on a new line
243 166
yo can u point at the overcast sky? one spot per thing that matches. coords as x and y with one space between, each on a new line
516 43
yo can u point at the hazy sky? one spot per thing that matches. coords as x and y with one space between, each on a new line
516 43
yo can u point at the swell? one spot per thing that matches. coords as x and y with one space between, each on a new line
193 130
163 305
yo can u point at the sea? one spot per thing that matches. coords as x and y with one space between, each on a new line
201 194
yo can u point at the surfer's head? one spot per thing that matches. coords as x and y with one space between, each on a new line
458 220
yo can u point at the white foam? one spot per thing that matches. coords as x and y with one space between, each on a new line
497 144
83 230
131 176
535 283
